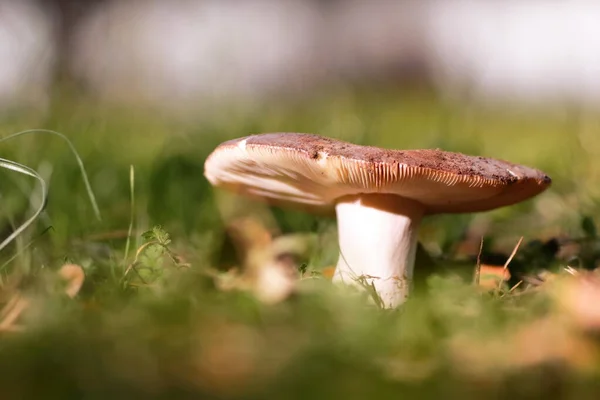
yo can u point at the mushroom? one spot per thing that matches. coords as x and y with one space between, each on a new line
379 195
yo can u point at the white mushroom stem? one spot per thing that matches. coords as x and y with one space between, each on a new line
378 239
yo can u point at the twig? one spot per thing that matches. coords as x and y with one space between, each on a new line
477 276
510 258
512 289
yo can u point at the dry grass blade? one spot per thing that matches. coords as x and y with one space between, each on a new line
512 289
514 252
510 258
11 312
571 270
478 265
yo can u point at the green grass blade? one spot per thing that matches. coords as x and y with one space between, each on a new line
25 170
88 187
132 211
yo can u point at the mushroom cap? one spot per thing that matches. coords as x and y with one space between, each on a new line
315 171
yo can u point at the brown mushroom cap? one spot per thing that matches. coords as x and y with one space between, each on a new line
316 171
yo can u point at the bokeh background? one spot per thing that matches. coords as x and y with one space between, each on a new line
184 51
153 86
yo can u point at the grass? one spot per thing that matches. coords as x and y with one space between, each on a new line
185 310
